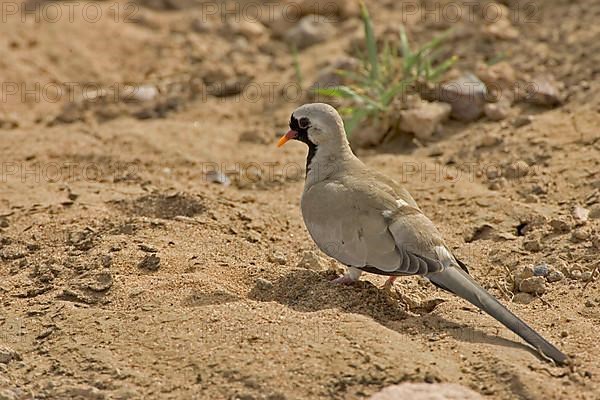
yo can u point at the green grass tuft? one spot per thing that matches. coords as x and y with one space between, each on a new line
386 75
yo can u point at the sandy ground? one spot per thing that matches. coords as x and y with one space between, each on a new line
125 273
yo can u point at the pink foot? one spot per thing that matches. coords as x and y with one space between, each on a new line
343 280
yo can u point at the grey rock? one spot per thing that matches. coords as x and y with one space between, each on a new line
466 95
541 270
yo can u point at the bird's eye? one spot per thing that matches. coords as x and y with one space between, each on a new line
304 122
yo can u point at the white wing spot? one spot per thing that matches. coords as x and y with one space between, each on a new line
387 214
401 203
445 257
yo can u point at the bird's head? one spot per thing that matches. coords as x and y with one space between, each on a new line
316 124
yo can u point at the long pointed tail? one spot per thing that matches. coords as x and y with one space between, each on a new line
460 283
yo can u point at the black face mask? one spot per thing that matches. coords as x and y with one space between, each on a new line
301 126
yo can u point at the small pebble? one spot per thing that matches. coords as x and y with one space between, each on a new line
497 111
522 274
253 236
516 170
218 177
150 262
312 260
7 355
560 226
498 184
541 270
264 284
589 303
522 120
106 261
278 257
534 285
555 276
595 212
564 334
532 245
580 214
580 235
523 298
586 276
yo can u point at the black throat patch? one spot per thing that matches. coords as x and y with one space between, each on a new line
303 137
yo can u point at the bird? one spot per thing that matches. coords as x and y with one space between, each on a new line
370 223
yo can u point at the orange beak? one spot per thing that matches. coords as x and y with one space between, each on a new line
288 136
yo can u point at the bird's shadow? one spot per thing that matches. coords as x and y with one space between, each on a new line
309 291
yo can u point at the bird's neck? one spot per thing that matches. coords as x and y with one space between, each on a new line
323 162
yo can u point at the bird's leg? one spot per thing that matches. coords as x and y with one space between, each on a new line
352 274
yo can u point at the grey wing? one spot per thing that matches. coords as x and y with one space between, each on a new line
356 229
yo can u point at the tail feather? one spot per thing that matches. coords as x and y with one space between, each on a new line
455 280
